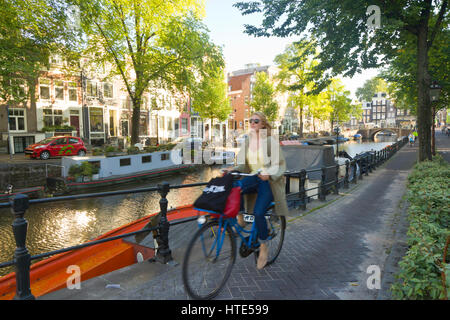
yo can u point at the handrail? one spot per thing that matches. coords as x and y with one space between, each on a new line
20 203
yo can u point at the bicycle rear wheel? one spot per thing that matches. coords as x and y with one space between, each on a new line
208 260
277 227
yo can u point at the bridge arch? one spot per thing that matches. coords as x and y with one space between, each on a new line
374 131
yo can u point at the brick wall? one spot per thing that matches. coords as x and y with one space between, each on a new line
26 175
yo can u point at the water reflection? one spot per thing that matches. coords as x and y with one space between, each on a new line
58 225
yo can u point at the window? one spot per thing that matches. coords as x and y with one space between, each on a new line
108 90
73 140
59 90
52 117
96 119
143 126
60 141
184 125
16 119
91 89
73 96
112 123
146 159
44 89
164 156
125 162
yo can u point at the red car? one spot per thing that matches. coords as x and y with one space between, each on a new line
56 147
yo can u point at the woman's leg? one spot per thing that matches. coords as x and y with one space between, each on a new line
264 197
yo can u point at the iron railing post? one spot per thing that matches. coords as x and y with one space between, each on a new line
366 164
347 167
163 252
336 181
355 174
301 187
22 258
288 184
322 193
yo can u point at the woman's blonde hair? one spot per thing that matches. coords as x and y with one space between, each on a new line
264 120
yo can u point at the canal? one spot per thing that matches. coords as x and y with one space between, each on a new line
58 225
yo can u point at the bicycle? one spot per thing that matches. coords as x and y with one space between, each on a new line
211 253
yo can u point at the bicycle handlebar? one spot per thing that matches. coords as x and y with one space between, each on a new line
245 174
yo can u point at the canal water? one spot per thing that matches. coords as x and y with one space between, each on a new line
58 225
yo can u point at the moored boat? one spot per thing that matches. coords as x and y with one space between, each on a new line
32 193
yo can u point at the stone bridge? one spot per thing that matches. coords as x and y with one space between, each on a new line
370 133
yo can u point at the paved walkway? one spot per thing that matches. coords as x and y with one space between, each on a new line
326 255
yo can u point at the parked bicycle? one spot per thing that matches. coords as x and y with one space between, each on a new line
211 254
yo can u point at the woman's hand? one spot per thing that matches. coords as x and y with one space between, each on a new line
263 177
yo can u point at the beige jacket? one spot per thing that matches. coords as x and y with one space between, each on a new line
275 166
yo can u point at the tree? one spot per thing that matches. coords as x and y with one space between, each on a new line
319 108
370 88
210 98
150 42
264 96
349 44
29 32
341 105
295 64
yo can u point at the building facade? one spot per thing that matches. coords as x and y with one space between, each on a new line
381 112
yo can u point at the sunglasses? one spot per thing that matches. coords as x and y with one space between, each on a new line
256 121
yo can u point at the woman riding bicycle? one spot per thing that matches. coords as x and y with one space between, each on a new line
261 151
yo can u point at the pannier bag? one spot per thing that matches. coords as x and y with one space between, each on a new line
233 203
215 194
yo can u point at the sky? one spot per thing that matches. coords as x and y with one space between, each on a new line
226 25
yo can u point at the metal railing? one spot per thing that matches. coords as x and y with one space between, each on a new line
367 162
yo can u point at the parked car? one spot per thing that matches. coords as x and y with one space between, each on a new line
56 147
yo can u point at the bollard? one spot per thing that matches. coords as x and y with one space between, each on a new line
22 258
322 190
163 252
347 167
301 188
336 180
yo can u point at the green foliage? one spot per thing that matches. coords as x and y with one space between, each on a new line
97 152
370 87
420 274
54 128
264 97
30 30
210 98
295 63
158 44
110 149
85 169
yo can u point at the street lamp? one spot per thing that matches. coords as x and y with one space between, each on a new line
337 130
435 91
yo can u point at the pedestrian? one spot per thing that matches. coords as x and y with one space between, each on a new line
411 139
262 151
415 134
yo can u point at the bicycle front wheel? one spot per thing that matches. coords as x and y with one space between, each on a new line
276 225
208 260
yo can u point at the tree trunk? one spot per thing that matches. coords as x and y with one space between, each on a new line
423 97
135 122
300 122
433 131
